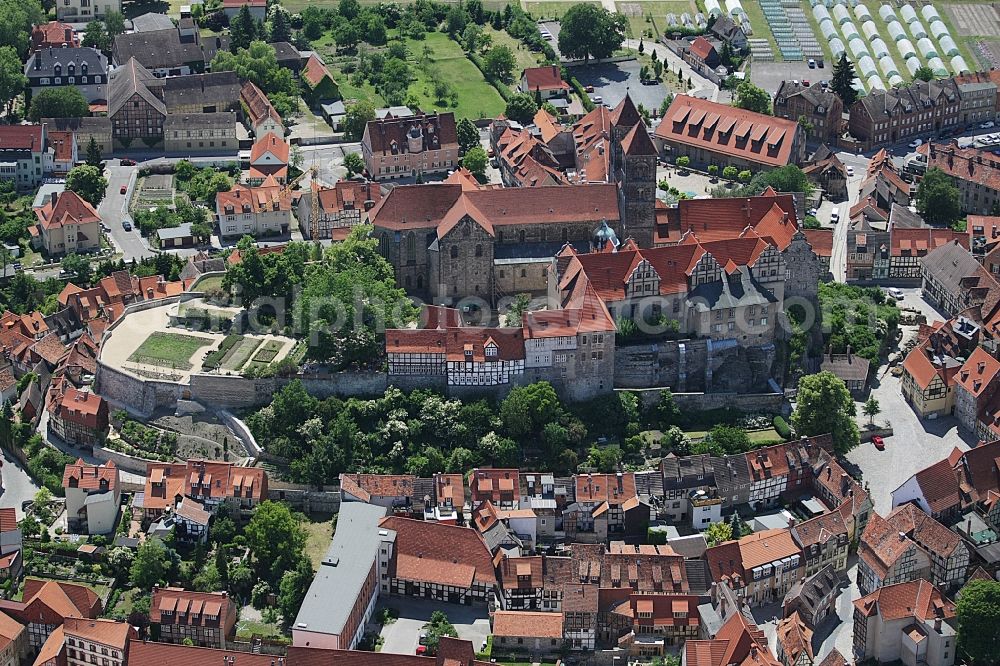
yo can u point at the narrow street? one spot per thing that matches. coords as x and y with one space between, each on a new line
113 211
18 486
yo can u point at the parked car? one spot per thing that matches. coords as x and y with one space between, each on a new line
850 171
589 89
812 63
916 143
126 225
895 292
878 442
123 189
988 124
806 83
835 216
421 649
125 161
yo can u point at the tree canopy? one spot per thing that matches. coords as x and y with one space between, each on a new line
978 612
87 181
500 62
521 108
16 19
824 406
475 160
275 539
12 78
356 118
590 31
938 200
750 97
842 82
257 62
62 102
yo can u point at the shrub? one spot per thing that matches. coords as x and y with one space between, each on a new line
781 427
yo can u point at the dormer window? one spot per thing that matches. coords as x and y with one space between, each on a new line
491 351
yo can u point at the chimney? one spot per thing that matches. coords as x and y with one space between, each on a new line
937 624
902 536
791 522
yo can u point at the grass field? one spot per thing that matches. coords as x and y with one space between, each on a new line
476 98
241 353
296 6
550 10
319 532
524 56
208 282
172 350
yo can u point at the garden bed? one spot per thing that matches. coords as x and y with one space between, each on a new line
215 358
172 350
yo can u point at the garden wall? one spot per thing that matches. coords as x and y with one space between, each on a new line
771 403
128 463
304 498
695 366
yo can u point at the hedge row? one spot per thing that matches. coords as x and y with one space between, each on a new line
499 85
213 359
781 427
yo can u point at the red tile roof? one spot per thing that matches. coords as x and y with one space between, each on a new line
69 208
259 107
149 652
972 165
315 71
438 129
366 486
916 599
881 546
925 530
173 605
610 488
795 639
241 199
979 372
269 143
439 553
702 48
54 34
91 477
821 241
517 624
348 194
83 408
906 242
720 128
62 144
492 484
939 486
21 137
548 77
105 632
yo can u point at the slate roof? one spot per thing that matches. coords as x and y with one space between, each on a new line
84 60
130 79
158 49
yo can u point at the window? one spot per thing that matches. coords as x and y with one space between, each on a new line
454 252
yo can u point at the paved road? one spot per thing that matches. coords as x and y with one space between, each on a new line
17 485
112 208
328 160
403 635
701 87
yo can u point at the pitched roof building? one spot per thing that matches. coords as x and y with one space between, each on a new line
403 147
712 133
68 224
907 618
207 619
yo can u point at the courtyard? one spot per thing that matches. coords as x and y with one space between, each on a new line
402 636
147 345
612 80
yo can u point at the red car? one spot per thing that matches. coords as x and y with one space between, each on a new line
127 162
878 442
123 189
421 649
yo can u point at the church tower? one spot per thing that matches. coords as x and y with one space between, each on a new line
633 170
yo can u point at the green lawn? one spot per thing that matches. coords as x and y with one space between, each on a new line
247 629
243 351
208 282
476 98
524 56
550 10
319 533
764 435
172 350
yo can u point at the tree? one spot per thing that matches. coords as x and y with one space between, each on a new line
527 409
730 439
718 533
871 409
354 164
279 29
16 19
275 539
475 161
468 135
745 176
590 31
750 97
349 9
805 124
683 162
88 182
438 626
499 62
730 173
243 30
356 118
12 78
824 406
114 23
842 82
258 63
61 102
938 200
456 20
978 612
788 178
97 36
79 267
94 154
924 73
292 590
713 170
521 108
150 565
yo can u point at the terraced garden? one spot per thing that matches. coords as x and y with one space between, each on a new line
171 350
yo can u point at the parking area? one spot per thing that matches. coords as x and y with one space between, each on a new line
769 75
612 80
402 636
